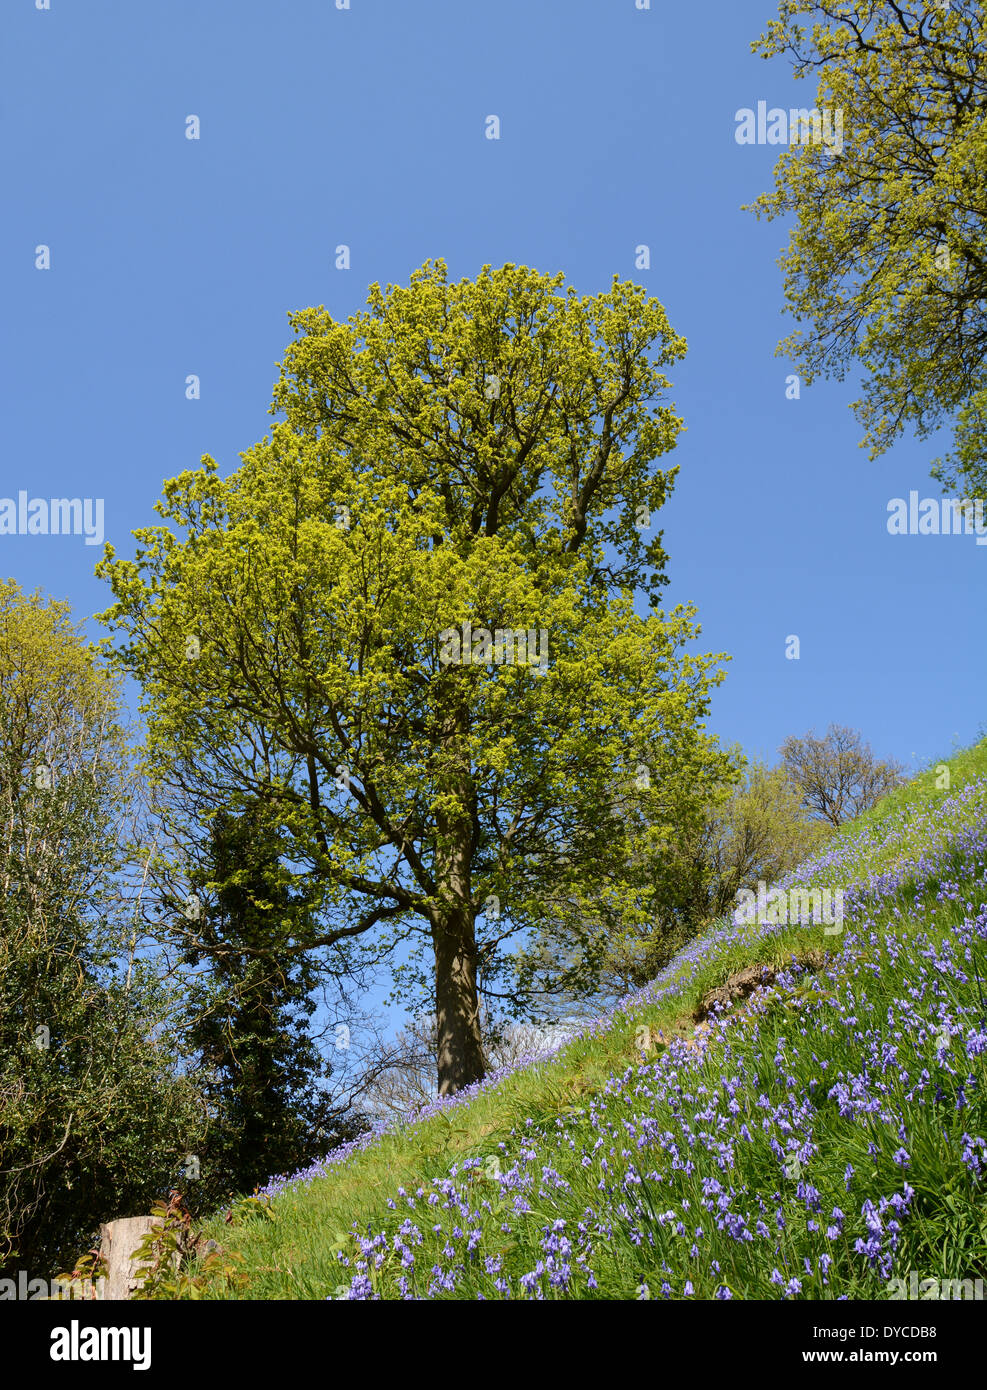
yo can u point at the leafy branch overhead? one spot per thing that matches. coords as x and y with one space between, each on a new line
886 261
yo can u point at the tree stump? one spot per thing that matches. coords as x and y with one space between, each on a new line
119 1240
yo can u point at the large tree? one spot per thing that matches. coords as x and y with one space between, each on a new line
405 626
887 257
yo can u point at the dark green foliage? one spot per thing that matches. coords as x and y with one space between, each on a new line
252 1005
94 1113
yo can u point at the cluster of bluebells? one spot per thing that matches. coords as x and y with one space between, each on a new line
418 1115
769 1156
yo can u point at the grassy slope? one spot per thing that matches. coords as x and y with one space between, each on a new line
709 1164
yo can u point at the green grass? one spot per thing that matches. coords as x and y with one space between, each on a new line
582 1113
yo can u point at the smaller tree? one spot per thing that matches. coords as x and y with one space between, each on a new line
753 826
839 777
407 1082
252 1003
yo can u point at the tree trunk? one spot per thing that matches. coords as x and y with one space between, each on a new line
459 1053
460 1047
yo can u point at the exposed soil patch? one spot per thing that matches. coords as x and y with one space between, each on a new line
742 984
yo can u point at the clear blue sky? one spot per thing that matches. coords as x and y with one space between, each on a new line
365 126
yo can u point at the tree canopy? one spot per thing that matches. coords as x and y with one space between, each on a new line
838 776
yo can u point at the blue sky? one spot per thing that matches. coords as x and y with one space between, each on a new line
365 126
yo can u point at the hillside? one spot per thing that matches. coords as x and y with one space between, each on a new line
816 1139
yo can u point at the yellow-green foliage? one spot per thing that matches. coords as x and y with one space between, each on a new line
887 255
